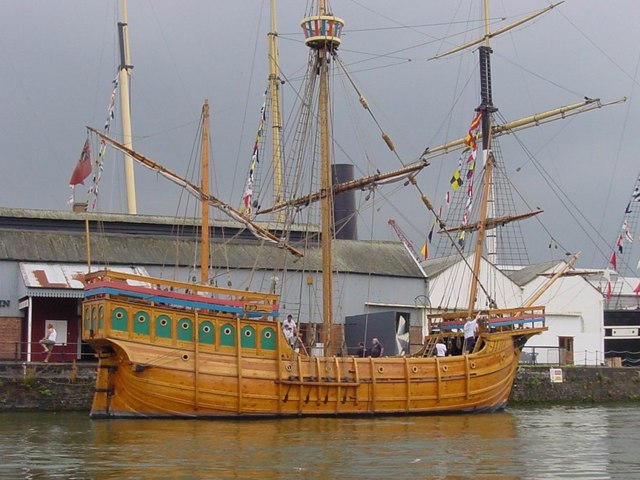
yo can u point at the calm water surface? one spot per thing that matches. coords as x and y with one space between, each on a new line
559 442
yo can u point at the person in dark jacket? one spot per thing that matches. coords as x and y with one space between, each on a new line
377 349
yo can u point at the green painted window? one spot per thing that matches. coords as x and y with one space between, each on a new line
228 335
142 323
120 319
268 339
248 338
206 334
87 318
185 330
100 317
163 326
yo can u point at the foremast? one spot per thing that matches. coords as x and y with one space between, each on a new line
322 34
486 110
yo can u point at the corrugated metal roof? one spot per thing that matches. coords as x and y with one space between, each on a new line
59 280
527 274
56 245
435 266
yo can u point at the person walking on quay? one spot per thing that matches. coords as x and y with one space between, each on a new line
48 341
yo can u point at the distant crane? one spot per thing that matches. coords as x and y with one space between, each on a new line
405 241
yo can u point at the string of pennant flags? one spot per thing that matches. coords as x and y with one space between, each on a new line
468 157
246 207
84 167
624 237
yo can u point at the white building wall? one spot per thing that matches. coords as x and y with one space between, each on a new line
451 288
10 280
573 309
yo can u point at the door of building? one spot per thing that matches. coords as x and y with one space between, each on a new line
565 345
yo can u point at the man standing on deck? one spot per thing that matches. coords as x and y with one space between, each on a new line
470 331
290 330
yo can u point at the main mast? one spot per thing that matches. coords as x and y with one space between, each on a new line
322 34
124 73
276 122
486 109
204 247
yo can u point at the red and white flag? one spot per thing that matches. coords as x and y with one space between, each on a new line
83 168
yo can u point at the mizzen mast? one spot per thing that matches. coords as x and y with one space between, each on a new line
322 34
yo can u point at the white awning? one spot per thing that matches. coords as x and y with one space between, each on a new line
61 280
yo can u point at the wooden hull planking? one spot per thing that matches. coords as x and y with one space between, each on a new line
156 360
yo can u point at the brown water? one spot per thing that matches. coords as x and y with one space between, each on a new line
559 442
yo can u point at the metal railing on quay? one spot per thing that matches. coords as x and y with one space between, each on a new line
557 357
61 353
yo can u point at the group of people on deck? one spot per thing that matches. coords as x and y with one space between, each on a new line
470 333
376 350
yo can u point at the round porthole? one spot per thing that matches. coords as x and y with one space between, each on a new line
289 368
414 369
227 331
141 318
472 364
185 357
184 325
380 369
267 334
445 368
119 315
247 333
206 329
164 322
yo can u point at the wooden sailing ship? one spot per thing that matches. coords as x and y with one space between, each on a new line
171 349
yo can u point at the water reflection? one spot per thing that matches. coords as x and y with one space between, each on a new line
527 443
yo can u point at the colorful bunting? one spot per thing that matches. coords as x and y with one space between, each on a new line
613 261
99 162
246 207
425 250
619 242
456 180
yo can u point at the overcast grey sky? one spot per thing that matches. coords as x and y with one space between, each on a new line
57 60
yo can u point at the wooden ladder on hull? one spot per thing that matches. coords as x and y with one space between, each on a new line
429 345
319 388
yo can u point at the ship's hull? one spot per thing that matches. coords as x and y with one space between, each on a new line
158 361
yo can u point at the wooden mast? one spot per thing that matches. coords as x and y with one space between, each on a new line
124 73
486 108
276 117
322 34
327 202
204 247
